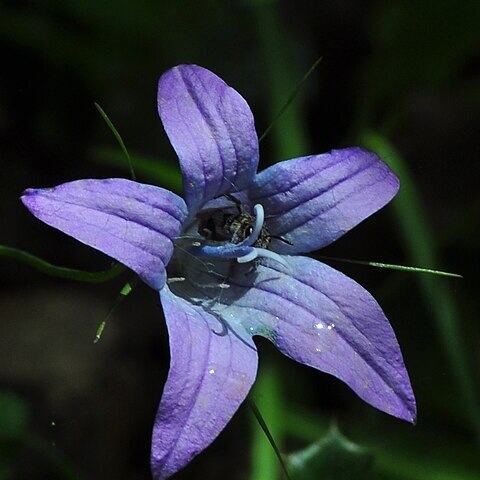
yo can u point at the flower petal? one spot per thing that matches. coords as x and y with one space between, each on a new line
320 317
129 221
211 128
315 200
212 369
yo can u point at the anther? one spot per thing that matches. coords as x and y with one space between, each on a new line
262 253
257 228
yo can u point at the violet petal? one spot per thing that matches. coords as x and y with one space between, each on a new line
314 200
131 222
212 369
211 127
320 317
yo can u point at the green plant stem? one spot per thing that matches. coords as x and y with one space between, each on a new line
268 434
61 272
438 295
289 138
291 98
267 395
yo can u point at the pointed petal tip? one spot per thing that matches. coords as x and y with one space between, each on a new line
131 222
212 130
406 412
312 201
412 413
323 319
29 192
210 376
28 198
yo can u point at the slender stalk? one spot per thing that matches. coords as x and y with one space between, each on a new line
391 266
119 138
61 272
268 434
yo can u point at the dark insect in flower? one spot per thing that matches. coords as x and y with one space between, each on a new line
223 225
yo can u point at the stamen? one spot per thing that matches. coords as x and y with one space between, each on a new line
263 253
228 251
175 280
257 229
249 256
244 251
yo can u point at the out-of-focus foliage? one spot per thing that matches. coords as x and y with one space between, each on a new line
13 418
418 44
401 76
13 426
334 457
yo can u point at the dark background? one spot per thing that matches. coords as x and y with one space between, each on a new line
406 70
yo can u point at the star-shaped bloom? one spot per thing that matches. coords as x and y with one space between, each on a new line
228 262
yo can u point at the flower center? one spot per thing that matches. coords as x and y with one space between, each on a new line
215 248
240 236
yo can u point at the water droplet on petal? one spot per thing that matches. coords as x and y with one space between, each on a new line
318 326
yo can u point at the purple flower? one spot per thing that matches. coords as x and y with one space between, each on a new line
228 262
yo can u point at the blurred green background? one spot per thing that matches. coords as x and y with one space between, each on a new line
400 77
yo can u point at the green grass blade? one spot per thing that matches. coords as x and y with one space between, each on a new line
289 136
291 98
61 272
119 139
391 266
269 436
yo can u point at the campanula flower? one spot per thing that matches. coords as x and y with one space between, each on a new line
229 262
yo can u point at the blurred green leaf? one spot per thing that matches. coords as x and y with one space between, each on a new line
13 417
400 452
278 55
159 172
334 457
267 393
13 431
15 435
421 247
439 36
415 44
